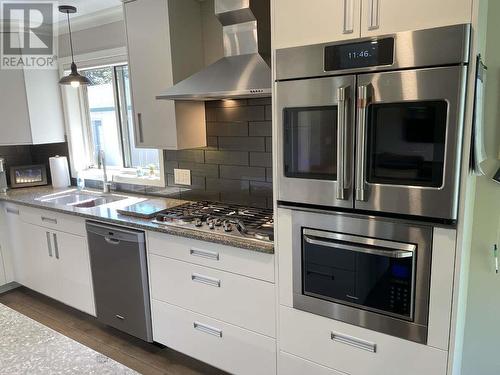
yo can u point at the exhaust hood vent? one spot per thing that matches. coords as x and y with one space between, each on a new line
244 71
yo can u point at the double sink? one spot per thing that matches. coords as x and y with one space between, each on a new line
81 199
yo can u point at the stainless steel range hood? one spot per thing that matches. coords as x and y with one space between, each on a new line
244 71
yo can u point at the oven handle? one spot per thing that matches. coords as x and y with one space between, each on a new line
359 249
342 98
361 142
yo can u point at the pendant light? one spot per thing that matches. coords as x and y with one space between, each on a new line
74 78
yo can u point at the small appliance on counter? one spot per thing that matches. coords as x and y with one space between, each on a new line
28 175
3 179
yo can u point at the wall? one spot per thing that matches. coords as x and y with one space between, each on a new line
481 353
37 154
111 35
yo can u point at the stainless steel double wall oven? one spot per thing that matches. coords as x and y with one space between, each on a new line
374 124
369 143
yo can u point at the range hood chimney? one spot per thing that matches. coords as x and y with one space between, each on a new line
244 71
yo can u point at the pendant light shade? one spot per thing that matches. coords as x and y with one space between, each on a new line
74 78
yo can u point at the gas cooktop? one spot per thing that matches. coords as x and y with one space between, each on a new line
227 219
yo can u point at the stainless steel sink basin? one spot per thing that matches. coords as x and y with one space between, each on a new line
81 199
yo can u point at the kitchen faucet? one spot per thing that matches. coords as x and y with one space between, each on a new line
106 185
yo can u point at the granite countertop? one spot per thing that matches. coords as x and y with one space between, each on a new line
108 213
28 347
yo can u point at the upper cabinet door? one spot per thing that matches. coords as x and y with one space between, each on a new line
150 69
299 22
390 16
158 41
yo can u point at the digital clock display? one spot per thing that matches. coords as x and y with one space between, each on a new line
359 55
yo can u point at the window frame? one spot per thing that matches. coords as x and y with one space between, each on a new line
77 120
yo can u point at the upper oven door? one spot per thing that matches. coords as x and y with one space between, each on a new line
316 126
409 134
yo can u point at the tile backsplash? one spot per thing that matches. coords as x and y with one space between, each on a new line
32 154
236 165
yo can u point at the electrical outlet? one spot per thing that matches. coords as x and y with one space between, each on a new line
182 176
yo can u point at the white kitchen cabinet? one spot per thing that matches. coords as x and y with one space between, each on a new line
228 347
50 255
57 264
355 350
164 42
289 364
30 103
38 260
72 271
299 22
226 258
390 16
12 245
235 299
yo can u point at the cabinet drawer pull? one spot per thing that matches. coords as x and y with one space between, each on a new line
119 317
49 244
207 329
205 280
204 254
12 211
49 220
56 247
139 126
352 341
348 16
374 15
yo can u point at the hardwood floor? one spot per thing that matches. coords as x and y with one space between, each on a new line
136 354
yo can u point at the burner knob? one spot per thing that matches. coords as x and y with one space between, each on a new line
227 226
218 222
198 222
211 225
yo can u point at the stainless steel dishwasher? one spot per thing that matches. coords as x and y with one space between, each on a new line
120 277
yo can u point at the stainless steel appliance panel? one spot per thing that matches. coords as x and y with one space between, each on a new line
412 49
319 136
409 136
366 233
120 278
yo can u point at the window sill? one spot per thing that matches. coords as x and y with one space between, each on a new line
124 177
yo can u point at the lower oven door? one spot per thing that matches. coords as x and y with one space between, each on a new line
375 274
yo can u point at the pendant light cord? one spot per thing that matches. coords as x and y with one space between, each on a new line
70 40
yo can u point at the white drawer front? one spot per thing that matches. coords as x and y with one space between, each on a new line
222 345
227 258
349 348
53 220
288 364
236 299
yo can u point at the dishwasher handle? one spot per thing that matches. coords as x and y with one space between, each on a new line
112 241
112 234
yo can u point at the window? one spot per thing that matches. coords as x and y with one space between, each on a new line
109 125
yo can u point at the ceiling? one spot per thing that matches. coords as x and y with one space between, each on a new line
85 7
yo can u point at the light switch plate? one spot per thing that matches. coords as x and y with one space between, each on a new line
182 176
